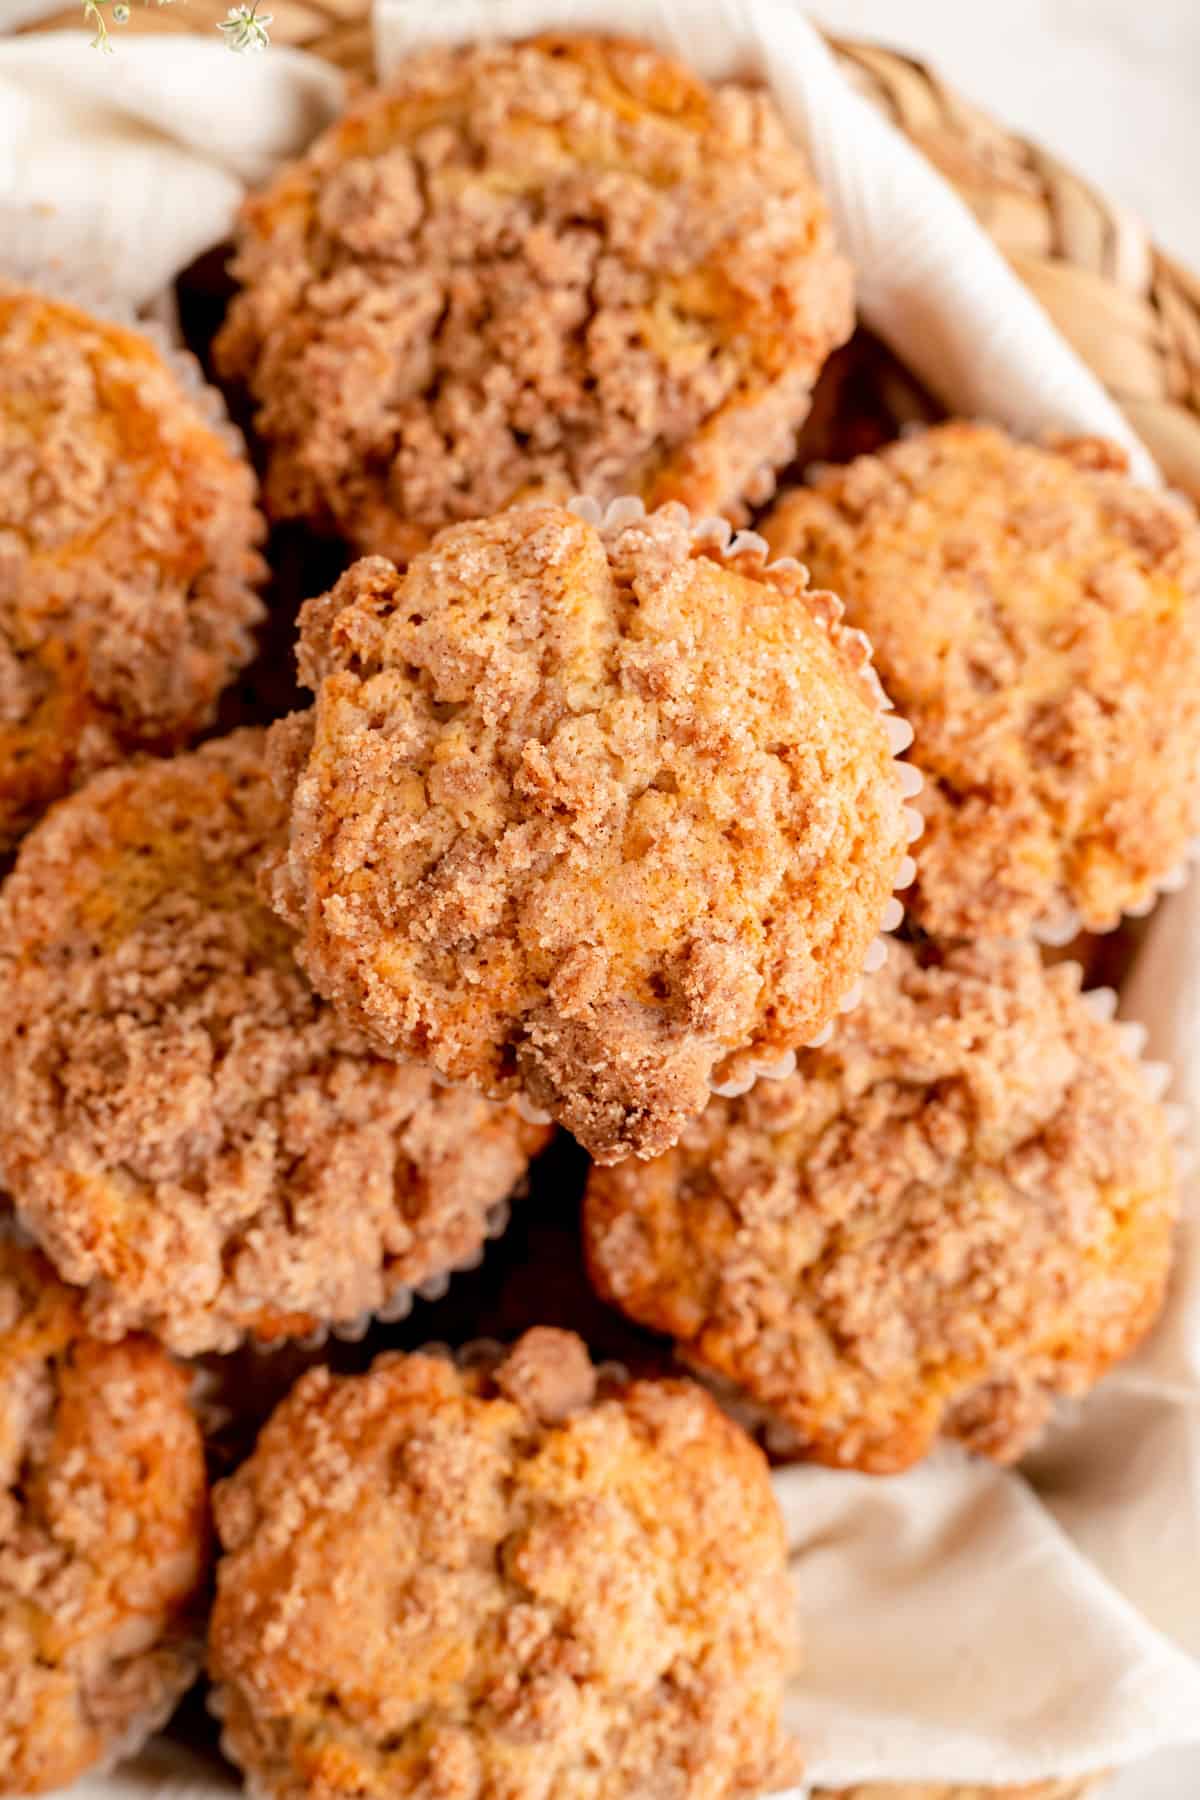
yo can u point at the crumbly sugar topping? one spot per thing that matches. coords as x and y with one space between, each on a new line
103 1534
1035 615
479 1581
957 1209
128 553
585 813
188 1129
545 268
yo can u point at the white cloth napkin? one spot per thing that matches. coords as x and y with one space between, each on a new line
118 170
959 1622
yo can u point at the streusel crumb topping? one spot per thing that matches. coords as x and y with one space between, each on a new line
513 1580
587 812
545 268
956 1210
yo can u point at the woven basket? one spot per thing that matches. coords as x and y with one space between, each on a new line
1131 312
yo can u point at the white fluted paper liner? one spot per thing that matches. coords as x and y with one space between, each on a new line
397 1305
204 1391
82 289
400 1302
751 555
1064 924
532 1115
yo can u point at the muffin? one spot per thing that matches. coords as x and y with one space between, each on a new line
192 1135
128 553
1036 617
103 1535
512 1577
528 270
589 811
958 1209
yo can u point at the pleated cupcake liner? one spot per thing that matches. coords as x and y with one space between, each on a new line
1102 1003
74 288
400 1301
397 1304
1064 925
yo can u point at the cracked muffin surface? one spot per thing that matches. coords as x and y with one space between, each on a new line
587 812
188 1129
502 1580
956 1210
128 553
561 266
104 1535
1035 615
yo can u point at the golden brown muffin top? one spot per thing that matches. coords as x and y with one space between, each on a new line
188 1129
544 268
587 811
1036 617
103 1534
507 1578
128 552
958 1208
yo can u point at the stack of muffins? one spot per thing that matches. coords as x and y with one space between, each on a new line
590 823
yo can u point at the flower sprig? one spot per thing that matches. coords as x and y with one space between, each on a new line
245 28
93 12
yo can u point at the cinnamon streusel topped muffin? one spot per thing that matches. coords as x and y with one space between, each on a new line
511 1579
188 1130
103 1535
533 269
128 553
588 812
1036 617
959 1208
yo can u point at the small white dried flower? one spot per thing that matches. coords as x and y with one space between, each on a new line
245 28
120 13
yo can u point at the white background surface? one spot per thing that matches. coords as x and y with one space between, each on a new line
1113 87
